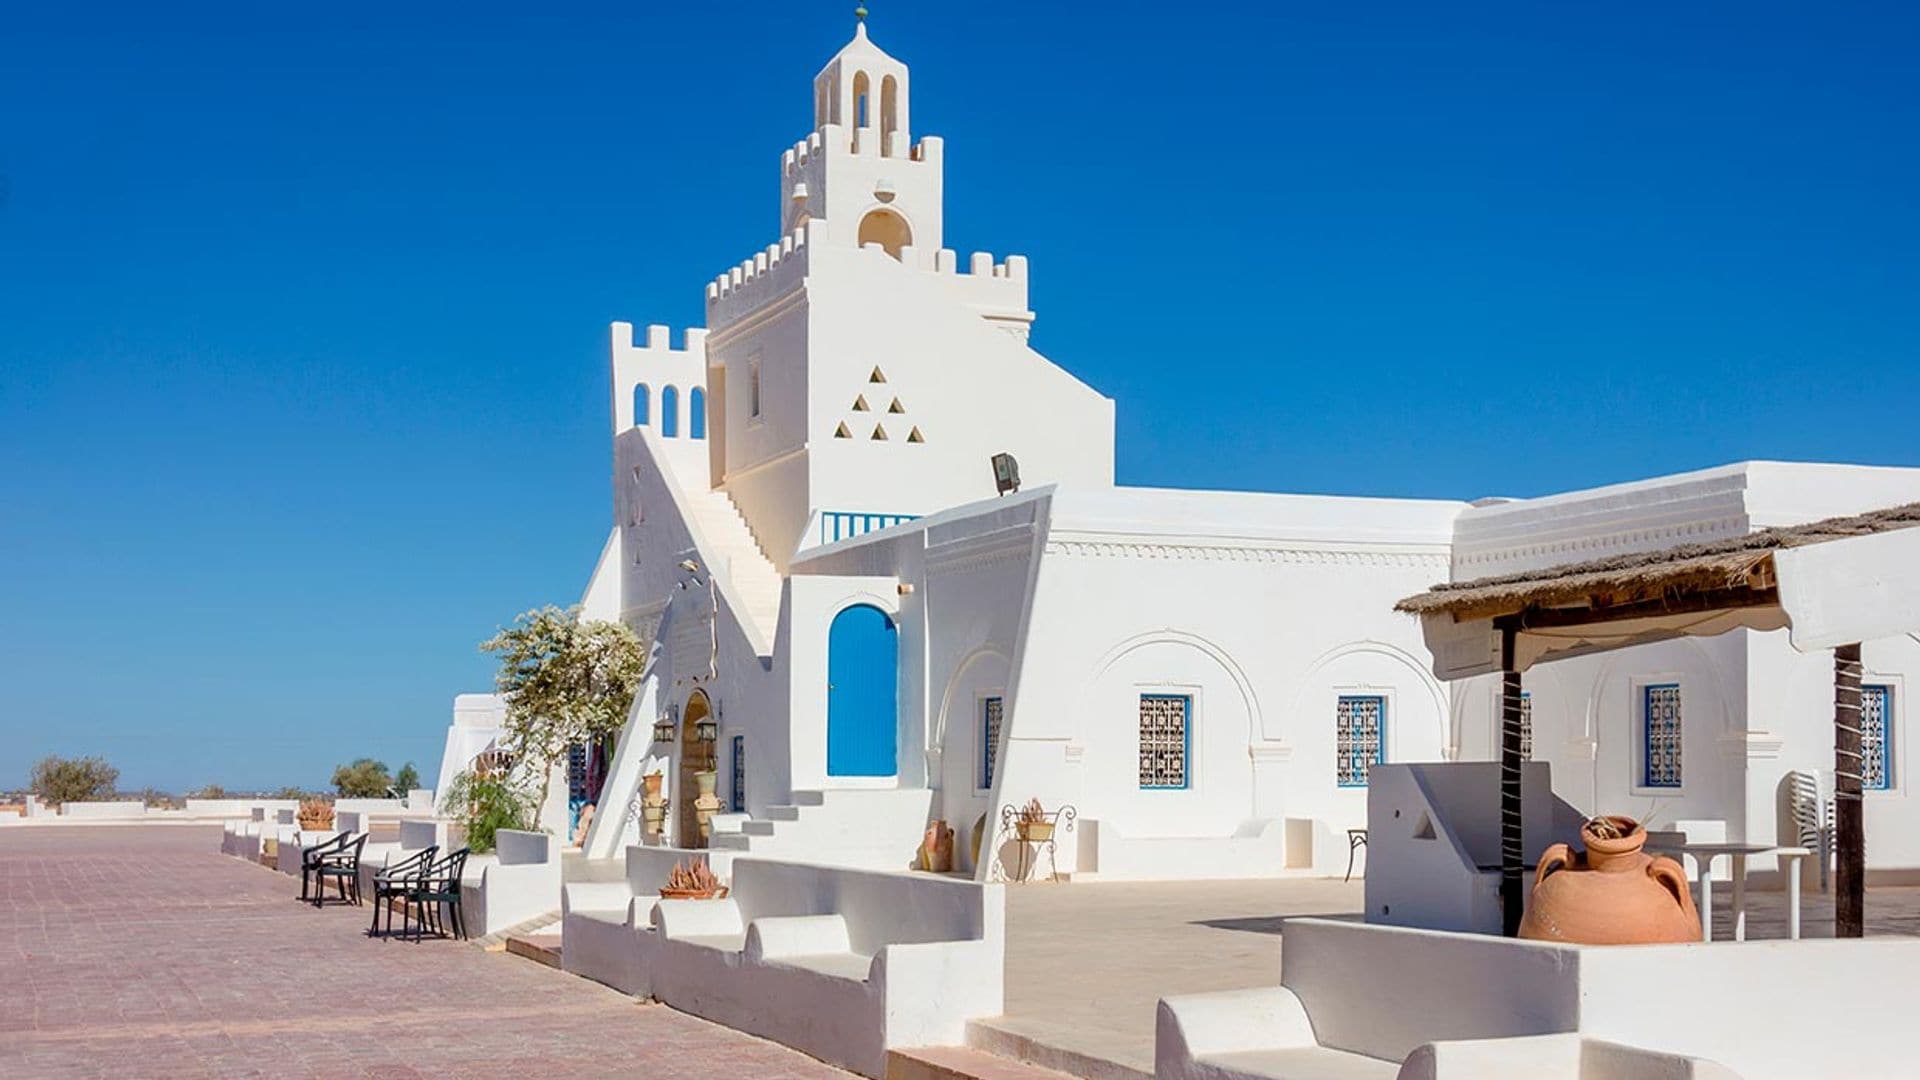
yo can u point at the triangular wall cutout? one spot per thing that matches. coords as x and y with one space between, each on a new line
1424 831
879 433
914 436
876 376
896 407
841 432
860 403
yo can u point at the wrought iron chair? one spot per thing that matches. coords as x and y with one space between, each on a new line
311 857
1356 839
394 882
342 867
436 887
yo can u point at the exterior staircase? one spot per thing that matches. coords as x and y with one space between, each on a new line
740 562
877 829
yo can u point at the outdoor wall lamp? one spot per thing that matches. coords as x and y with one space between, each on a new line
1006 473
706 729
663 727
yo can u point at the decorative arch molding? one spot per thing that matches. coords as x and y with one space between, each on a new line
979 656
1248 698
1618 658
888 604
1423 675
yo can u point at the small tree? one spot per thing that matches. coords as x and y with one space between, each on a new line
407 778
364 779
211 791
565 681
60 780
485 803
290 792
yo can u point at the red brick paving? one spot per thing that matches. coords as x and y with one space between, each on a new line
144 952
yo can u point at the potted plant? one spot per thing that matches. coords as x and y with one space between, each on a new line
315 814
1034 824
695 881
936 848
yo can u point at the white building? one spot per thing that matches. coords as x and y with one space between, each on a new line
807 524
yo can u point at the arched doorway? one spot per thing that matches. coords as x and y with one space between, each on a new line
886 228
863 672
695 756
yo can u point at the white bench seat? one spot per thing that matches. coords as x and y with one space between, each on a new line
851 966
732 943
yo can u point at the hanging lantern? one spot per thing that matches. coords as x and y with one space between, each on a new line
706 729
663 727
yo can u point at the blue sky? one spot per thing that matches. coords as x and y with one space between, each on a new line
303 309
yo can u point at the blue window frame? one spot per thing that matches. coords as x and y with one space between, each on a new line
991 711
1166 737
1662 729
1359 737
669 412
696 413
1876 738
640 411
739 799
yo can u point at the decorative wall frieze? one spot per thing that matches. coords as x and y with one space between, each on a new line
1430 558
1597 545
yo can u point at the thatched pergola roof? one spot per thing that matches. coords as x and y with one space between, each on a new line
1647 579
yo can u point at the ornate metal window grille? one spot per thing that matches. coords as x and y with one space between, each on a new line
1165 737
739 792
1876 738
991 709
1661 721
1360 737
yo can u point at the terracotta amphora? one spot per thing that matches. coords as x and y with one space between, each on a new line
1610 894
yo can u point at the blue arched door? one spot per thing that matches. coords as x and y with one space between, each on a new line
863 670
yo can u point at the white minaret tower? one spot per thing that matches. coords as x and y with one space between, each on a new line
869 178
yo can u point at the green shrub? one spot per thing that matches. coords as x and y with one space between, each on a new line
364 779
485 804
60 780
406 779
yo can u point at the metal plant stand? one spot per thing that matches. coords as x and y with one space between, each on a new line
1029 842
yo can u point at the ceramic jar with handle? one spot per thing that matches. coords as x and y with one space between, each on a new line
1612 893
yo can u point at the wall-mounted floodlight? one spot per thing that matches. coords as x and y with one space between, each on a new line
1006 473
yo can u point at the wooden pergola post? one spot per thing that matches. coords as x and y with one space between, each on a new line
1849 827
1512 864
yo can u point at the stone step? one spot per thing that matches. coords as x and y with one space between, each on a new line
960 1063
539 948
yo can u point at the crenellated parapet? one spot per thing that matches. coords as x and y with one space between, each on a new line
653 380
769 273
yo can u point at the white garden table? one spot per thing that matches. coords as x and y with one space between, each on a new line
1703 856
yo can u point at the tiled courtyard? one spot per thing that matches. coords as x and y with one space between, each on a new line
1088 963
144 952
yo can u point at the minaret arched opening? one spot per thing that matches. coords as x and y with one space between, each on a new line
862 100
889 113
886 228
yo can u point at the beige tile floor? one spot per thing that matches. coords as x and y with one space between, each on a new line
1087 963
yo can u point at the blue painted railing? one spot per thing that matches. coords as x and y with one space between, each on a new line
842 525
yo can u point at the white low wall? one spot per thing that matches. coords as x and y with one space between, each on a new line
104 810
1257 849
838 962
521 881
236 808
1383 993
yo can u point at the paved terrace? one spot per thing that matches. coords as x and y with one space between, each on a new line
133 951
1088 963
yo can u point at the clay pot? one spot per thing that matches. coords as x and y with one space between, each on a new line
693 894
1610 894
936 848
